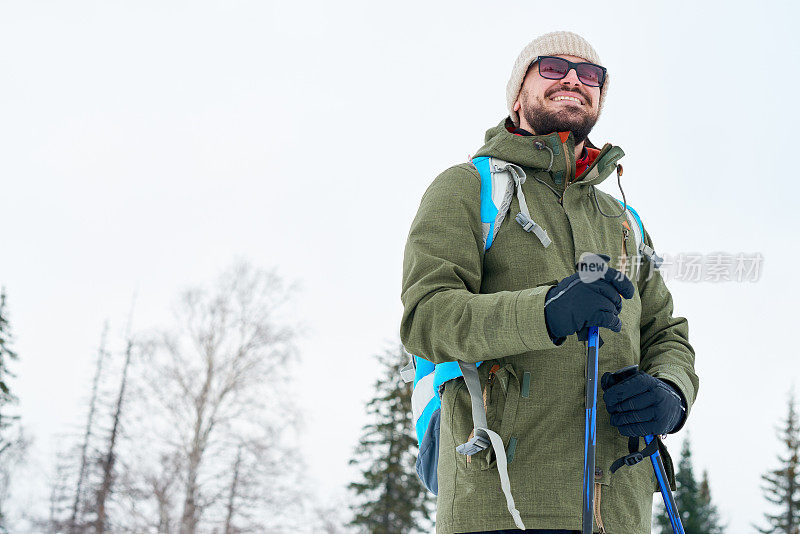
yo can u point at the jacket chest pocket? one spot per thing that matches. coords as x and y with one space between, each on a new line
501 400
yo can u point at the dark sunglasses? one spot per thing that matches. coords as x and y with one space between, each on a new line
555 68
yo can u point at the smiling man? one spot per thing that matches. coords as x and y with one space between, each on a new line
480 287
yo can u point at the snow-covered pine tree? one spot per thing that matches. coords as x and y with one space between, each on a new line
12 441
6 355
782 487
709 515
390 499
698 513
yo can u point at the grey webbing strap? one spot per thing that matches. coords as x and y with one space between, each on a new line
483 437
654 258
478 442
529 226
505 483
524 217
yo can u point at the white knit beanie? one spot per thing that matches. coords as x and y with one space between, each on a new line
550 44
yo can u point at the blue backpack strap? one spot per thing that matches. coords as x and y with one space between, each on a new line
636 218
445 372
426 409
426 396
638 231
424 400
489 211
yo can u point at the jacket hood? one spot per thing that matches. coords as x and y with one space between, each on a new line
531 152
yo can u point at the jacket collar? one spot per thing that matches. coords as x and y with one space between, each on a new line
531 151
526 133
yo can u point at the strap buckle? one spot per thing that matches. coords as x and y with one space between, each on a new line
635 456
529 225
473 446
408 372
633 459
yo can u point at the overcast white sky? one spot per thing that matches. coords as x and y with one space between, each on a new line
145 145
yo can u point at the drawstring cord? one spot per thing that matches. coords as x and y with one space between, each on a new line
624 202
541 146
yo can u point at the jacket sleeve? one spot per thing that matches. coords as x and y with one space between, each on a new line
664 339
445 318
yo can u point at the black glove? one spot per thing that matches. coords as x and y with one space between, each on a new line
573 305
642 405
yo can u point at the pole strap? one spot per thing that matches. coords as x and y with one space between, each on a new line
635 455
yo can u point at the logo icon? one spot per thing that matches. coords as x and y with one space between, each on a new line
592 267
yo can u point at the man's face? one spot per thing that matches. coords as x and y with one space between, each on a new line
541 104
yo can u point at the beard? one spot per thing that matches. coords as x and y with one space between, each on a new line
545 121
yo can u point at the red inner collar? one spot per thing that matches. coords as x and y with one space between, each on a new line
588 157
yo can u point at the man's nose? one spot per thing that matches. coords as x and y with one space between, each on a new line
572 77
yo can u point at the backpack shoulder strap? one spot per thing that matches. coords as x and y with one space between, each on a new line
498 179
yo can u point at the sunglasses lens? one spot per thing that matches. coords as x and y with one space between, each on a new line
589 74
553 68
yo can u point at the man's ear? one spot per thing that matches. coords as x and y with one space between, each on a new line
517 105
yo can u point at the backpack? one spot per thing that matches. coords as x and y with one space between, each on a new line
498 182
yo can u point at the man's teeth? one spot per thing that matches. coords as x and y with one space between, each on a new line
556 99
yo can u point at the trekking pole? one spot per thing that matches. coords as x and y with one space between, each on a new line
590 439
658 465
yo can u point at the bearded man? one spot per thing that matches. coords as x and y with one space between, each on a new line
516 309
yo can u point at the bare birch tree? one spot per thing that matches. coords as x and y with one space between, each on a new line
219 382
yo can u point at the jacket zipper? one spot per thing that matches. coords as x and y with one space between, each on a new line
487 391
623 261
603 151
570 172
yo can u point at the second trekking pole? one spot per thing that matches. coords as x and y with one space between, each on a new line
666 493
655 458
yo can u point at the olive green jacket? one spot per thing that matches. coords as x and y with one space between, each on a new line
463 304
